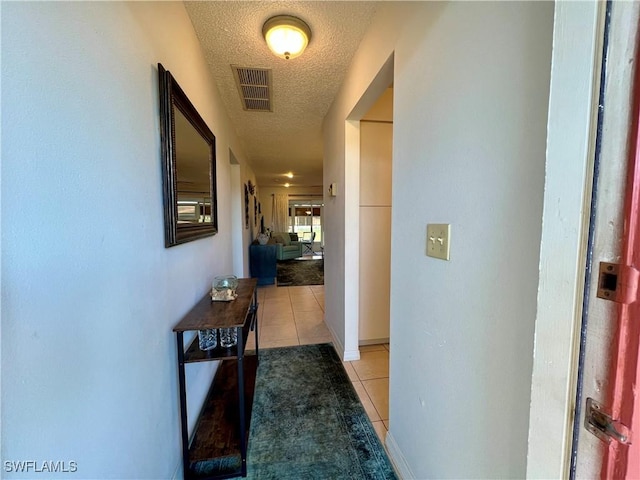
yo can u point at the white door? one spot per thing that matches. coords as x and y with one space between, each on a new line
608 357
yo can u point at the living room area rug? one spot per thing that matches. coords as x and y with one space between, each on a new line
299 272
308 422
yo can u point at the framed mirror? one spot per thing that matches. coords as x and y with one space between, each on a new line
189 166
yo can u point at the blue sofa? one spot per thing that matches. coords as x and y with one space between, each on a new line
286 249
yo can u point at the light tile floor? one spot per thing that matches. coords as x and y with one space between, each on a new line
295 316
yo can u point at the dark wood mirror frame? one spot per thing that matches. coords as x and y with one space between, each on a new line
172 97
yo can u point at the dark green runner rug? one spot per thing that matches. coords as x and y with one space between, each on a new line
300 272
308 422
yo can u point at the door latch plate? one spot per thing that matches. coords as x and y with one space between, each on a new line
618 283
603 426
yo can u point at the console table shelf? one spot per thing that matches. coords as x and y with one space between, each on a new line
194 354
217 435
217 447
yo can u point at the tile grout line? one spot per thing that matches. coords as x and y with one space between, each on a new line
295 324
314 296
366 391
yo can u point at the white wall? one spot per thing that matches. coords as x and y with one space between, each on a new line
469 152
471 91
89 293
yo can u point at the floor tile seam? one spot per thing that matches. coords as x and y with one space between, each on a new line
317 301
327 331
297 331
373 378
370 399
301 320
308 317
278 308
281 302
279 313
296 327
268 328
313 340
312 333
305 308
304 305
295 324
285 324
354 369
302 325
368 353
303 295
371 419
277 329
306 321
290 301
304 313
367 379
276 334
382 418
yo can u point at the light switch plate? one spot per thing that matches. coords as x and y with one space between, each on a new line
438 240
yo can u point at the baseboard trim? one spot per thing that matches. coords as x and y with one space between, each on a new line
351 355
345 355
374 341
397 459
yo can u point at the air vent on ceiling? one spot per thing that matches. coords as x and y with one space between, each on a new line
254 87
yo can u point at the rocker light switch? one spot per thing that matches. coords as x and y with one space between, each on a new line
438 240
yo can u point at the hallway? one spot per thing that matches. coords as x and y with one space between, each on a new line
493 108
290 316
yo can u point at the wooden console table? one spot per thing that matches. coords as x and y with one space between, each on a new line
218 445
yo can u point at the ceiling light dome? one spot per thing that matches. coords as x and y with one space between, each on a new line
286 36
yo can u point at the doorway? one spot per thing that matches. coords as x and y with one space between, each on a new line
305 215
376 154
240 259
352 227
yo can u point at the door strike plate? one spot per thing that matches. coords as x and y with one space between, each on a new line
618 283
603 426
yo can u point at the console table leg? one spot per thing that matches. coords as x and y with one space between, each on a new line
183 405
242 407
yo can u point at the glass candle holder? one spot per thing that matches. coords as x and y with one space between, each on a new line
226 282
207 339
228 337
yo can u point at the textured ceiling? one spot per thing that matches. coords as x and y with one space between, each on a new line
290 137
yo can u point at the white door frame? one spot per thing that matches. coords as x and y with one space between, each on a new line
575 75
376 88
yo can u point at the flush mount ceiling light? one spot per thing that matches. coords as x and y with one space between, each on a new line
286 36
